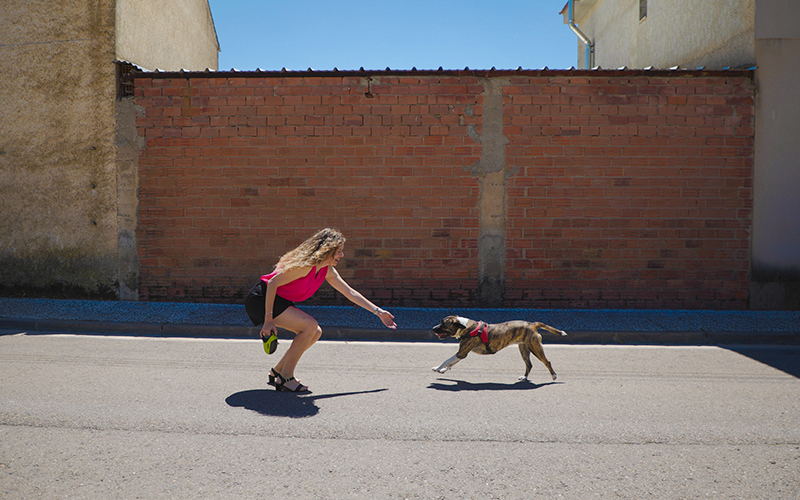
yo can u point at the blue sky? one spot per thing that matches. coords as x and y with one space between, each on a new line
399 34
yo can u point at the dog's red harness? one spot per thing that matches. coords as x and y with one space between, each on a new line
482 331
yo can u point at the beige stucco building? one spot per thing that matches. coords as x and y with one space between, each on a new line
68 165
717 34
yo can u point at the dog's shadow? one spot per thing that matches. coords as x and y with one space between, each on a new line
283 404
461 385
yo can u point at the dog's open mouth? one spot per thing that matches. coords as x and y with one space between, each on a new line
440 331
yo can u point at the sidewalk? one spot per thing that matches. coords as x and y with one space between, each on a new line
172 319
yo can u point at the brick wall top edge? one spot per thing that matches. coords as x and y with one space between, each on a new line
730 73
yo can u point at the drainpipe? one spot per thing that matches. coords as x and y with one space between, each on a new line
589 58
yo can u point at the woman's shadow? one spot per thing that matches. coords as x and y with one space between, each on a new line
283 404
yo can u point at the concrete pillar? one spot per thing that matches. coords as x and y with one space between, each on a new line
128 145
492 200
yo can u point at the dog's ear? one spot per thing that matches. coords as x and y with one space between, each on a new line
462 321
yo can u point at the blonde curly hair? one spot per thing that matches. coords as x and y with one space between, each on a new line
313 251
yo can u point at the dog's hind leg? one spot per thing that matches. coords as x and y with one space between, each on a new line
526 357
538 351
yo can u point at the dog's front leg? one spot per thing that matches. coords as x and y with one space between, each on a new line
447 364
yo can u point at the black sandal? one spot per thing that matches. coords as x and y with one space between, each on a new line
272 376
281 386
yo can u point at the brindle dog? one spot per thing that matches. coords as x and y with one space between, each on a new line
482 338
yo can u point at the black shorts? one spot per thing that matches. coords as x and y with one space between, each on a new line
255 304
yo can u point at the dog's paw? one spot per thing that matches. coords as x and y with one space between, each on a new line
522 378
439 370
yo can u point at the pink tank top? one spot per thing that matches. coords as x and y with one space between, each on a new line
301 288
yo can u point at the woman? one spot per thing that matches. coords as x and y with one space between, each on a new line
297 276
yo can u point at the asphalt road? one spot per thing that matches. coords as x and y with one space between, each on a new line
124 417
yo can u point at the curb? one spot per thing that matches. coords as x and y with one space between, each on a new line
698 338
130 328
184 330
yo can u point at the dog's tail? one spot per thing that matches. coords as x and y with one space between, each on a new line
549 328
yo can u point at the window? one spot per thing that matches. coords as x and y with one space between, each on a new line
642 9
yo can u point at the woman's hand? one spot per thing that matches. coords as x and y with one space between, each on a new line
387 318
268 329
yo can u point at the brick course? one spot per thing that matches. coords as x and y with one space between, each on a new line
624 189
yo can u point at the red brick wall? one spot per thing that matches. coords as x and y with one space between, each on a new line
624 189
631 191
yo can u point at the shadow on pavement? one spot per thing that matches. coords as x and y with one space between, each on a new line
460 385
283 404
783 358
